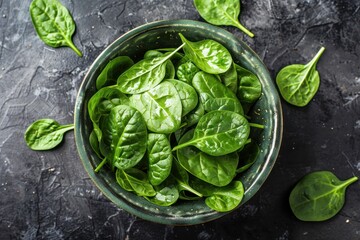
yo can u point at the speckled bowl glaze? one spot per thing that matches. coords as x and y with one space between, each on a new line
164 34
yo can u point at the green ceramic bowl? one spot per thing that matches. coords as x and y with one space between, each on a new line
164 34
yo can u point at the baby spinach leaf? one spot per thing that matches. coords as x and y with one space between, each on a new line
153 54
169 70
221 199
221 12
137 180
194 116
53 23
208 55
219 133
160 158
165 196
101 103
247 156
218 171
186 72
94 144
188 96
230 78
45 134
318 196
214 95
144 75
160 107
299 83
112 71
249 90
124 137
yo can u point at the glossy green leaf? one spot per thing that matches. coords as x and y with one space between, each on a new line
214 95
247 156
186 72
53 23
299 83
153 54
249 90
166 196
160 157
188 96
230 78
124 137
113 70
221 199
160 107
208 55
144 75
137 180
219 133
94 144
218 171
318 196
221 12
45 134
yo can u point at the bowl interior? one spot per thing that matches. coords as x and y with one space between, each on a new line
164 34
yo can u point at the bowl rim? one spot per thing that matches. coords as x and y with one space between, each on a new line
184 220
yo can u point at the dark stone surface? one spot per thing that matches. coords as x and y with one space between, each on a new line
47 195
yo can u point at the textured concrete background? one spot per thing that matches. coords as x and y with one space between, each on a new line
47 195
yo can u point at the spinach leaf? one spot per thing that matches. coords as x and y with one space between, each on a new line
160 107
45 134
135 180
144 75
160 158
219 133
101 103
230 78
112 71
249 90
53 23
218 171
166 196
152 54
221 12
94 144
169 70
247 156
214 95
208 55
221 199
124 137
188 96
186 72
299 83
194 116
318 196
182 178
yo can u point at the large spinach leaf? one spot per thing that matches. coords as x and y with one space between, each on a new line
208 55
218 171
53 23
214 95
160 157
124 137
112 71
160 107
144 75
45 134
299 83
219 133
318 196
221 12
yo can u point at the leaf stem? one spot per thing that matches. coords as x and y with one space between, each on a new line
97 169
244 29
190 189
73 47
256 125
316 57
350 181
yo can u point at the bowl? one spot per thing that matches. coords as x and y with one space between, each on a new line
164 34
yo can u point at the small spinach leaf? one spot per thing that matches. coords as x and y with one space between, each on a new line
112 71
318 196
160 158
160 107
249 90
45 134
230 78
166 196
247 156
214 95
221 12
186 72
218 171
219 133
299 83
144 75
137 180
53 23
208 55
